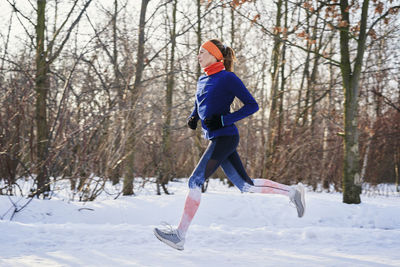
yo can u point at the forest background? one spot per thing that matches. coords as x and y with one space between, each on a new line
99 91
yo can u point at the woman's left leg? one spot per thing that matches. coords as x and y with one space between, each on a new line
218 150
235 171
233 168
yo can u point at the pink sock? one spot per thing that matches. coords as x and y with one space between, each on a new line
191 205
266 186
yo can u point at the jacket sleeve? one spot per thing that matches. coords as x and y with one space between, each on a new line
250 106
194 112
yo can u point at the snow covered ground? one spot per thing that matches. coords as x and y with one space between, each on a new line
229 229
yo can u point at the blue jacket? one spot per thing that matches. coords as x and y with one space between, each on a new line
214 96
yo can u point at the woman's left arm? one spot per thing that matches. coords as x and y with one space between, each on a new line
239 90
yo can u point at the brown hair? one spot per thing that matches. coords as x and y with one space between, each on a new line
227 52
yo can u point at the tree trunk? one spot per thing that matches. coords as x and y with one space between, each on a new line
273 114
166 164
41 87
116 169
264 101
198 132
314 72
130 146
351 171
302 113
283 78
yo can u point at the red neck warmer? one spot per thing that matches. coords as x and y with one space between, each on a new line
214 68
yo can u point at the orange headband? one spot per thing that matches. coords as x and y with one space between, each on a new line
213 50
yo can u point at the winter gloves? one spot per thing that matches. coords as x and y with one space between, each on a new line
192 123
214 123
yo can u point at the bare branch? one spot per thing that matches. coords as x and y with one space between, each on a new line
13 5
69 32
50 47
285 40
382 17
386 100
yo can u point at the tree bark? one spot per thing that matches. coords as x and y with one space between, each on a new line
351 170
273 114
41 88
198 132
283 78
130 147
116 169
166 164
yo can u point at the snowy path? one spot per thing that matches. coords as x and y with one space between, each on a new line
230 229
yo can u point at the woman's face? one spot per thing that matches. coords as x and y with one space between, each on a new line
205 58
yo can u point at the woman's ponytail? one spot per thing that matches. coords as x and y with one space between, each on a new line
228 53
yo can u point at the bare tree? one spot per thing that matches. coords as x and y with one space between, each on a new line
133 97
44 58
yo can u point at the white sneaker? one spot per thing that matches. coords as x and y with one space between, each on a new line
296 196
170 237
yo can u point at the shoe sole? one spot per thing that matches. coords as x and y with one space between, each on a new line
303 202
169 243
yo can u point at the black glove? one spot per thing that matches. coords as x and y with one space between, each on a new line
214 122
192 123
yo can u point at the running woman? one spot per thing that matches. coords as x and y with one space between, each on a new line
216 91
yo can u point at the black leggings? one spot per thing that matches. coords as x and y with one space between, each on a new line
221 152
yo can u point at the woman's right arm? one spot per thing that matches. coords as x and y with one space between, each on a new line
194 112
193 118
